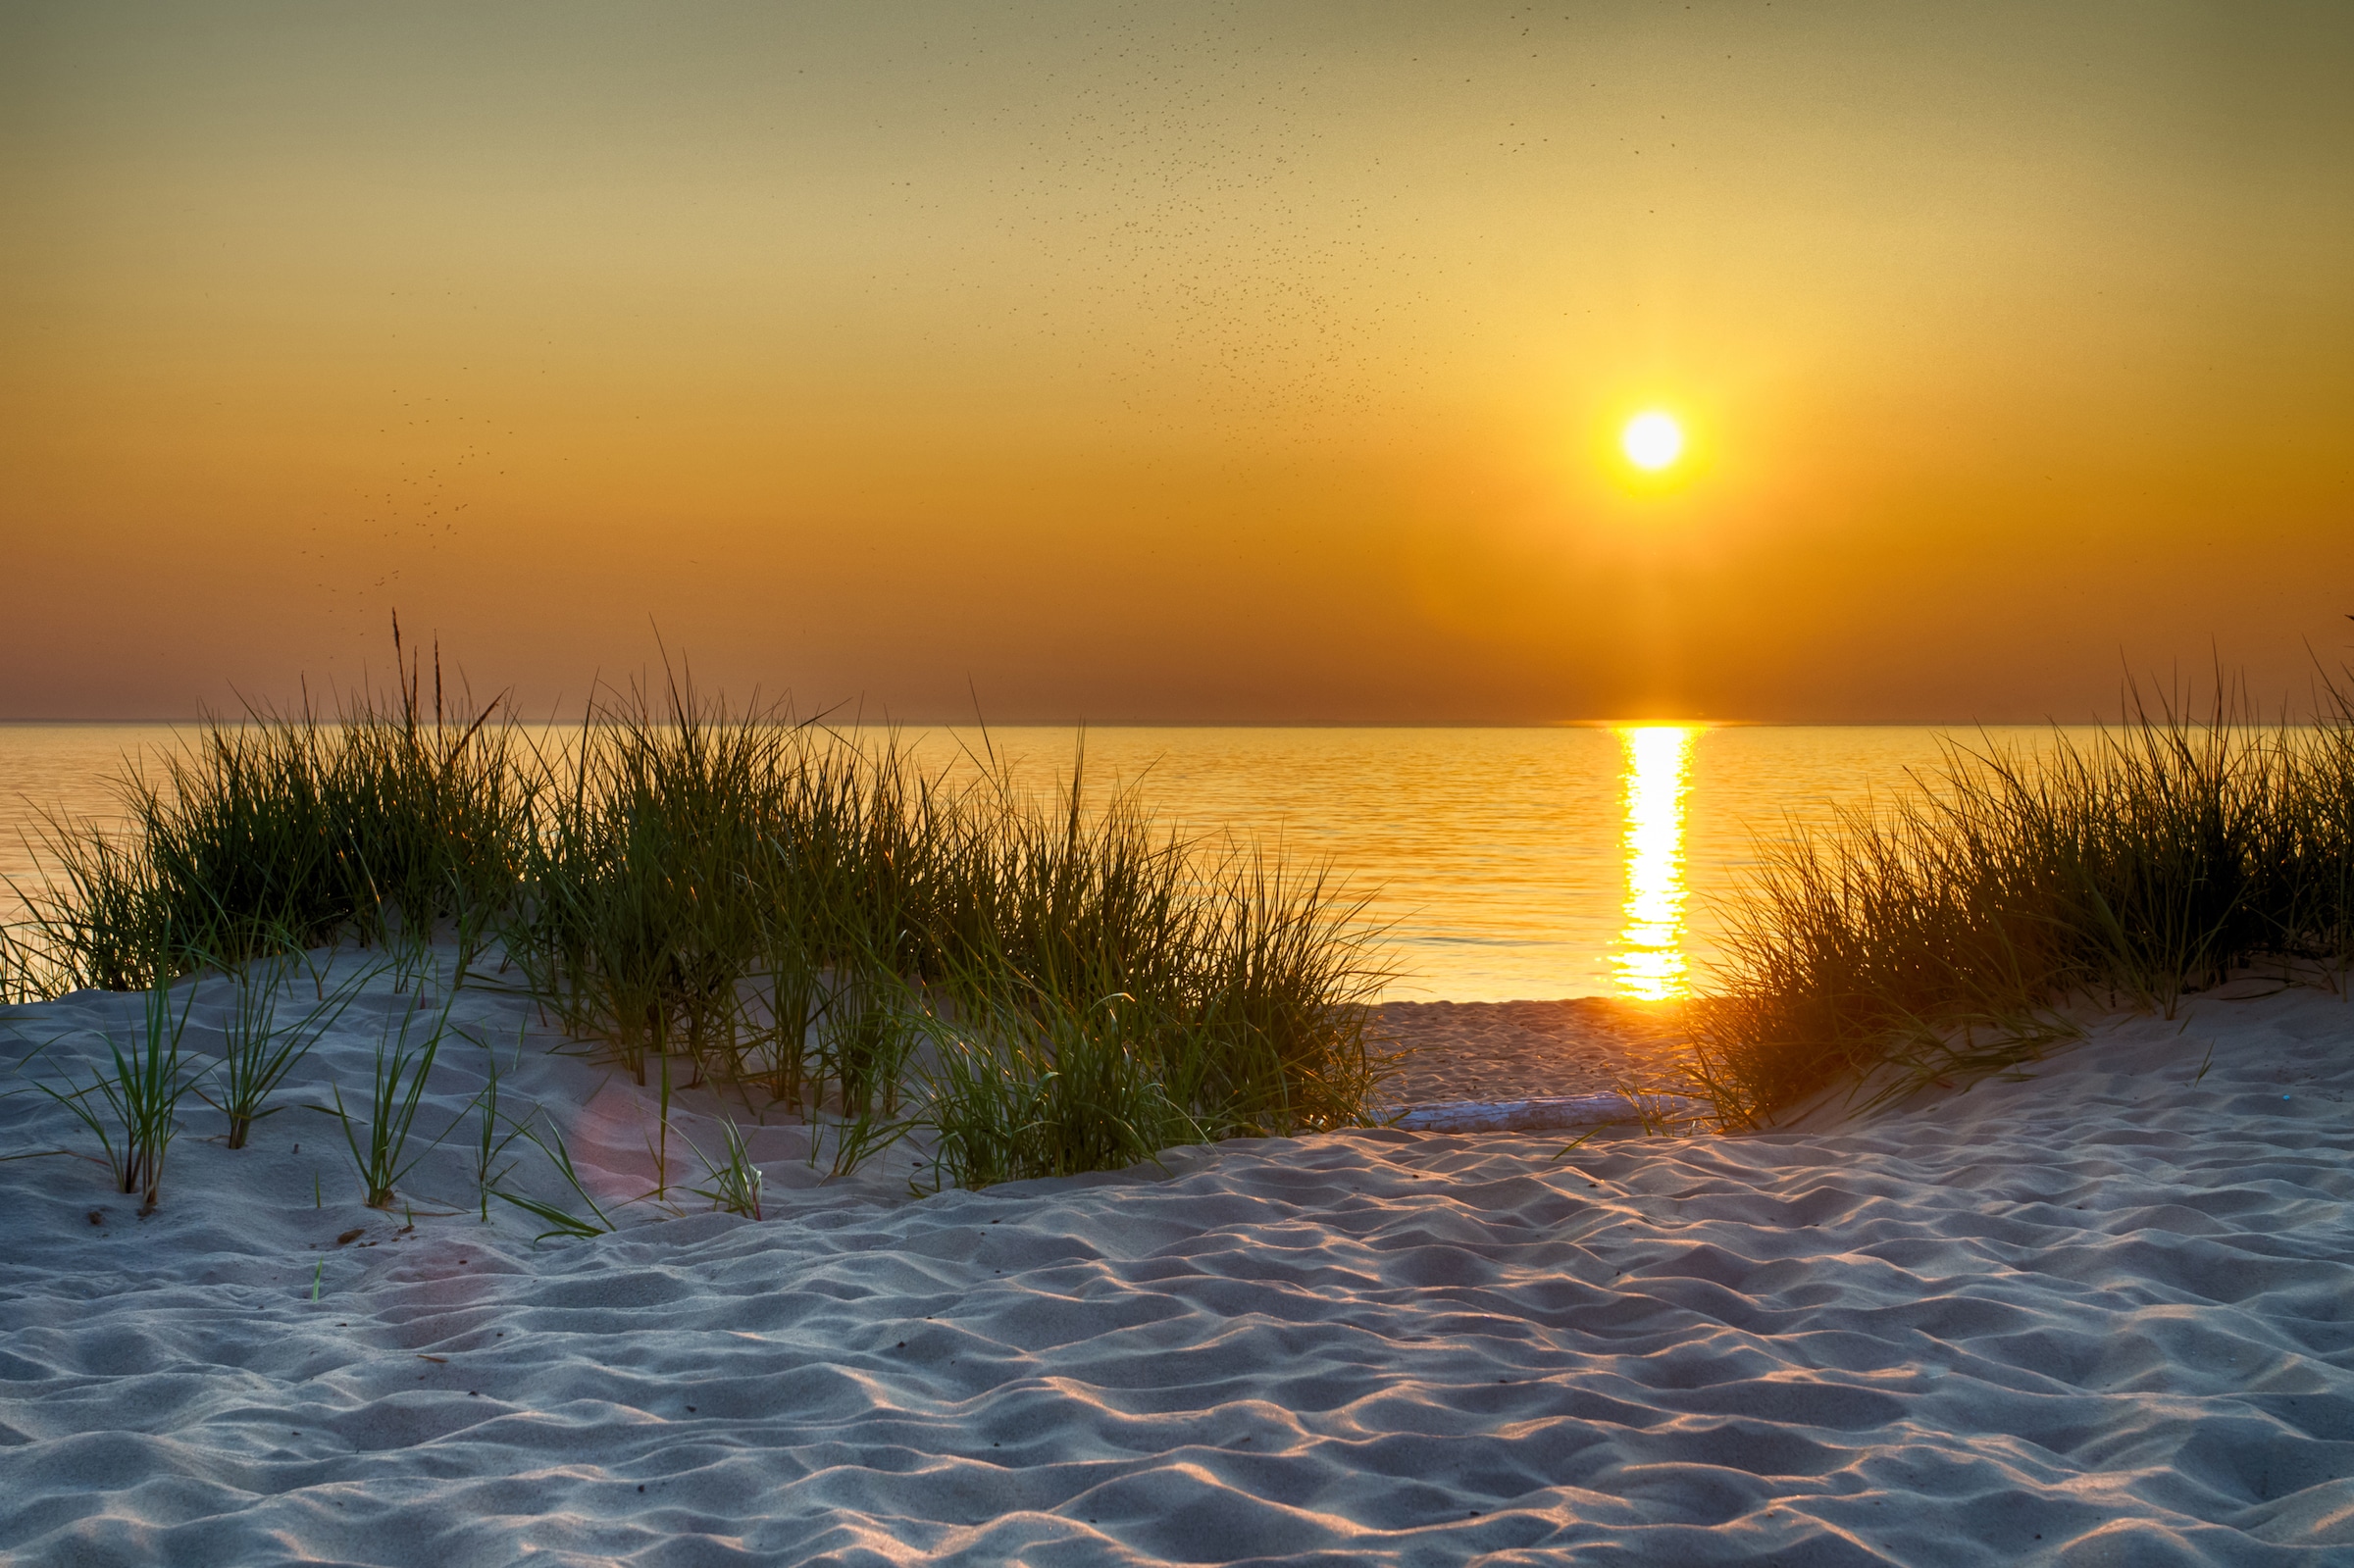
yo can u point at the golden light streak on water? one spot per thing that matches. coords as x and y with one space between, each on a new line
1650 962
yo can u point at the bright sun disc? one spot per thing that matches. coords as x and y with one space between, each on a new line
1651 442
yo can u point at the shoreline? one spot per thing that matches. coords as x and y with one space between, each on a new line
1519 1049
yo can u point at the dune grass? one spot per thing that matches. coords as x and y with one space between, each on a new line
289 830
793 914
796 918
734 1179
258 1049
21 977
494 1133
561 1221
380 1140
136 1112
1959 928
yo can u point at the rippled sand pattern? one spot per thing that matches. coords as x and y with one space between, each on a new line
2097 1318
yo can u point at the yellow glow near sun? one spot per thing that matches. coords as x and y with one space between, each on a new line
1650 960
1652 441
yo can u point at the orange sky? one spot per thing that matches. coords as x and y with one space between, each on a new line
1176 362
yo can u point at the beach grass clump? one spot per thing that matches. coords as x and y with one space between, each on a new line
278 831
1241 1021
672 848
782 908
762 904
1027 1082
1945 935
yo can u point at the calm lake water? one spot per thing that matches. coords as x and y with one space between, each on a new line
1506 863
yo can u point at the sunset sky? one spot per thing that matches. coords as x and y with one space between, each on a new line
1180 362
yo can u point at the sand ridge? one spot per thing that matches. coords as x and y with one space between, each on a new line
2097 1317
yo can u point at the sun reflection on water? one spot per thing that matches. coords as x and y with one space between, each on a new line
1649 951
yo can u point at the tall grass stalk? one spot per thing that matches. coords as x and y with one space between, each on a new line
379 1144
562 1223
257 1052
491 1144
657 1142
732 1182
22 976
790 1001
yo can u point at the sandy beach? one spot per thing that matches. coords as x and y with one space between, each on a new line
1516 1050
2094 1317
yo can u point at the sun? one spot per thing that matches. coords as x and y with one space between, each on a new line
1651 442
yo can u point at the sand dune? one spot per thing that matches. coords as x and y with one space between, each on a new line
2102 1317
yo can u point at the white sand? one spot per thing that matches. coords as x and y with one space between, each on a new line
2103 1317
